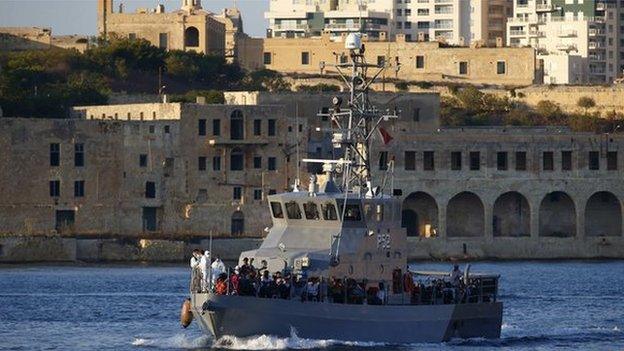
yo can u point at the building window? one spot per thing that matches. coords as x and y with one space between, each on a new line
237 193
55 154
79 155
521 164
594 160
456 161
216 127
167 129
410 160
257 127
272 127
547 161
191 37
305 58
612 164
150 190
237 160
383 160
428 161
501 67
152 129
501 161
420 61
142 160
237 125
416 115
79 188
163 40
566 160
216 163
55 188
257 194
267 58
201 127
257 162
272 191
463 68
381 61
201 163
475 161
272 166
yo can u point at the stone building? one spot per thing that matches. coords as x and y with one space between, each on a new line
189 28
157 169
34 38
192 169
418 61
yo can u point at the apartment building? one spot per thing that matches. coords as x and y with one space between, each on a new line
577 39
456 22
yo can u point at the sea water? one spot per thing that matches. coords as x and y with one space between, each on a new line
569 305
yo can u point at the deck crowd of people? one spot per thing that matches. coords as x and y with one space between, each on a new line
211 274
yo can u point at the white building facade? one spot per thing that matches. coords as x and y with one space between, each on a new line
456 22
577 39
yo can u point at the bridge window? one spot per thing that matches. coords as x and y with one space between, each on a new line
276 208
329 212
292 210
311 210
352 212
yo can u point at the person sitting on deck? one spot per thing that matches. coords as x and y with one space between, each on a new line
265 285
218 267
456 275
312 289
380 298
235 282
221 285
244 269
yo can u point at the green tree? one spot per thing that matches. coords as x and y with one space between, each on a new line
586 102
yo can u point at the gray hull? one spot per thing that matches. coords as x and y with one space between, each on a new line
247 316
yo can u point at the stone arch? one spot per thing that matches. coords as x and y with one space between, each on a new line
237 125
511 215
557 215
238 223
603 215
191 37
465 216
420 215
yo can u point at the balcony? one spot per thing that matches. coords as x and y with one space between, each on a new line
567 33
515 33
291 27
594 45
545 8
537 34
594 32
566 47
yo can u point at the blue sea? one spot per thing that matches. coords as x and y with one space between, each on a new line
568 305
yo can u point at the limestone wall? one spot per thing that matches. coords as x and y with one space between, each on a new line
418 61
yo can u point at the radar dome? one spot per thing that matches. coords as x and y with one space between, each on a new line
353 41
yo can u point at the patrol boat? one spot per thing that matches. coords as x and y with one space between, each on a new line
344 227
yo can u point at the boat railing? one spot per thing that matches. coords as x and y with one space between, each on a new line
428 289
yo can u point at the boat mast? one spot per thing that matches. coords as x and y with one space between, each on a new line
354 127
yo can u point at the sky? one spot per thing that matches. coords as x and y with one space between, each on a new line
80 16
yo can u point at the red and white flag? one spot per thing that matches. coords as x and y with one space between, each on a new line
385 136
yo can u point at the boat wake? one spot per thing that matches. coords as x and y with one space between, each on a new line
294 342
178 341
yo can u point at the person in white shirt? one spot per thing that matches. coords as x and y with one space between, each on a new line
218 268
204 263
195 258
195 272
